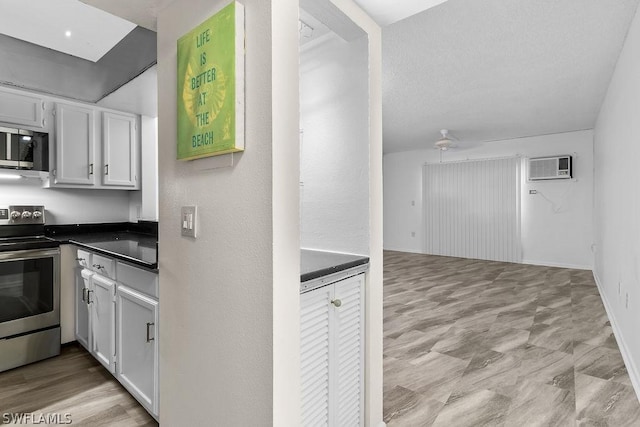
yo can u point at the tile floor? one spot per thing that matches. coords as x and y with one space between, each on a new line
481 343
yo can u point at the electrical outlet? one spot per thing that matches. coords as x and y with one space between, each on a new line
188 221
533 191
413 234
413 203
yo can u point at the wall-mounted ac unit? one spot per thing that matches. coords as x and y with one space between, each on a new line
557 167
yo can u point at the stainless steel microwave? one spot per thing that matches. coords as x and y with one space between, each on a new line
24 149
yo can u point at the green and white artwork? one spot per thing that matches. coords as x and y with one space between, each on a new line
211 86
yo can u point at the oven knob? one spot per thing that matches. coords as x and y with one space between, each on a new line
37 214
26 214
15 215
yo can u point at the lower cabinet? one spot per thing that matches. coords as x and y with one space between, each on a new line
101 297
332 354
95 316
83 315
137 347
118 324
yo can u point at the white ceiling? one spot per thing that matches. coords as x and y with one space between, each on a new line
386 12
487 70
499 69
141 12
68 26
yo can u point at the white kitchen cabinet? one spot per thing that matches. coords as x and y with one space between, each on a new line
137 346
102 300
119 150
117 322
95 148
332 354
21 108
75 145
82 308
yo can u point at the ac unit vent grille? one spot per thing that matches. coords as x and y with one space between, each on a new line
558 167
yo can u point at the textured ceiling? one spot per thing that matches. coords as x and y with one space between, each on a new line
499 69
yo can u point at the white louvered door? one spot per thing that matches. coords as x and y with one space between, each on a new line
349 352
314 347
332 354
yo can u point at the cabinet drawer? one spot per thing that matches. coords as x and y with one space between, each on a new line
84 258
103 266
141 280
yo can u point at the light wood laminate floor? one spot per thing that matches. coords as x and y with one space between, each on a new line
73 383
481 343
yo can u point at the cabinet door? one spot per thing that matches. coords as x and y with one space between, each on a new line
348 355
82 317
119 145
137 361
102 301
315 350
74 145
16 108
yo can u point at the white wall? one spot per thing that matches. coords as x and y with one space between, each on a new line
617 202
143 204
334 161
67 206
229 334
555 232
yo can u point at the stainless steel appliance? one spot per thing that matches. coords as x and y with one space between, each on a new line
29 288
24 149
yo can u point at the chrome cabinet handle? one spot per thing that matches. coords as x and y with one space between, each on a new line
91 169
106 169
336 302
84 294
89 297
98 266
80 259
149 339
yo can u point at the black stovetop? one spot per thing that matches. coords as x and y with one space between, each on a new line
24 237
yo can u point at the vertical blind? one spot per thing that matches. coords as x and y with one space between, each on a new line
472 209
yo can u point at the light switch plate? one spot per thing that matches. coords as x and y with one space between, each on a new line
188 221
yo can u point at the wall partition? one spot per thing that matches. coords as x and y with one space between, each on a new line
472 209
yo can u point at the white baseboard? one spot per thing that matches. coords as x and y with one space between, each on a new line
557 264
632 369
410 251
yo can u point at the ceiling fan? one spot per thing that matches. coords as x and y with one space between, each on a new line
445 142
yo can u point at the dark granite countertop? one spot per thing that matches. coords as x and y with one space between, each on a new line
314 264
124 241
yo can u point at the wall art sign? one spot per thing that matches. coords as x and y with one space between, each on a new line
211 86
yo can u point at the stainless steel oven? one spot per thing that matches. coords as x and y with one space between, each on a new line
29 292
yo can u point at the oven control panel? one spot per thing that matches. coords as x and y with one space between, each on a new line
23 215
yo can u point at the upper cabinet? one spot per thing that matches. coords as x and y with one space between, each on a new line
95 148
75 142
119 149
21 109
